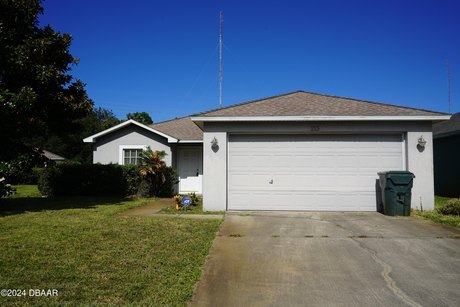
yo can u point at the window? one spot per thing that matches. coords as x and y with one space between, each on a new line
131 156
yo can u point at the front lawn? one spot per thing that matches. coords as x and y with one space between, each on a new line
26 190
91 255
453 220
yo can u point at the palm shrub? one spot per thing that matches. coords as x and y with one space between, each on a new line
157 178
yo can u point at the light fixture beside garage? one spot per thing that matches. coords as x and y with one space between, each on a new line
214 143
421 141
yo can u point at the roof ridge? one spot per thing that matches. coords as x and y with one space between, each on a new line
246 102
294 92
374 102
169 120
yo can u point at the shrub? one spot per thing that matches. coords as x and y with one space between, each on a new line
132 179
108 180
82 179
160 184
178 200
194 198
26 177
452 207
20 170
166 188
157 178
5 188
6 170
47 182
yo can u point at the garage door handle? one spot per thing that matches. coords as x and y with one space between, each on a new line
271 181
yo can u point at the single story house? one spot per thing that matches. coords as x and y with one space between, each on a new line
52 156
297 151
446 140
49 158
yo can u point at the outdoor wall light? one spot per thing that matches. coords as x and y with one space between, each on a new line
421 141
214 143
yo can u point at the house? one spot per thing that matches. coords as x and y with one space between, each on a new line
51 158
297 151
446 139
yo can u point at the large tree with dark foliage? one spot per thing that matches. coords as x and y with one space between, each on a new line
71 145
38 96
141 117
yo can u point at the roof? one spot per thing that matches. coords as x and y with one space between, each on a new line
447 128
303 103
52 156
92 138
180 128
295 106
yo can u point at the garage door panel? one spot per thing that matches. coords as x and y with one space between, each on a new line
309 201
308 172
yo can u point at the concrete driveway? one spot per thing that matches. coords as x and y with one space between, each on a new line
331 259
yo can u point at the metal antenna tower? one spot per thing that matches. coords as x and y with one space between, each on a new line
448 84
220 60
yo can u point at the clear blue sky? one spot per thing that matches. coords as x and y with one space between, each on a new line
162 57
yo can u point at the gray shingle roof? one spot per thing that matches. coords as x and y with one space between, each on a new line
52 156
302 103
298 103
180 128
447 128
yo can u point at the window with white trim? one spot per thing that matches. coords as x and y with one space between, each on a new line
131 156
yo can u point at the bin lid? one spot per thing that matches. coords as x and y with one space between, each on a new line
399 177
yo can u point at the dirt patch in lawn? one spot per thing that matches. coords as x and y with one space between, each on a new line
150 209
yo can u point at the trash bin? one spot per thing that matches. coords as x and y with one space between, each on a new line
396 192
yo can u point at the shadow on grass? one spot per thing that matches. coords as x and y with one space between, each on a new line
12 206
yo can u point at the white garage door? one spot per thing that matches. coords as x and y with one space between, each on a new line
309 172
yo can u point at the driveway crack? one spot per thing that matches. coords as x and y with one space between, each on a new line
390 282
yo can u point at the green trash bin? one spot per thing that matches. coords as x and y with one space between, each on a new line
396 192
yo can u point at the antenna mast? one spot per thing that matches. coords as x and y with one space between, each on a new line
220 60
448 83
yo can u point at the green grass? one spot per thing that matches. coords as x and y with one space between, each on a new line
440 201
83 248
453 220
26 191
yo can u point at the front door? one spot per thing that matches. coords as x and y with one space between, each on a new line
190 169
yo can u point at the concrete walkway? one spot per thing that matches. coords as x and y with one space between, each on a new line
150 209
331 259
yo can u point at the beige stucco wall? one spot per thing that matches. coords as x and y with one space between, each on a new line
418 162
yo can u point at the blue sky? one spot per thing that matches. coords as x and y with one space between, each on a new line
162 57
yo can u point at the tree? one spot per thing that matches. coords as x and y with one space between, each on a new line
71 145
105 119
141 117
38 96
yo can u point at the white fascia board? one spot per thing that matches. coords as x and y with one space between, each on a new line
92 138
189 141
317 118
